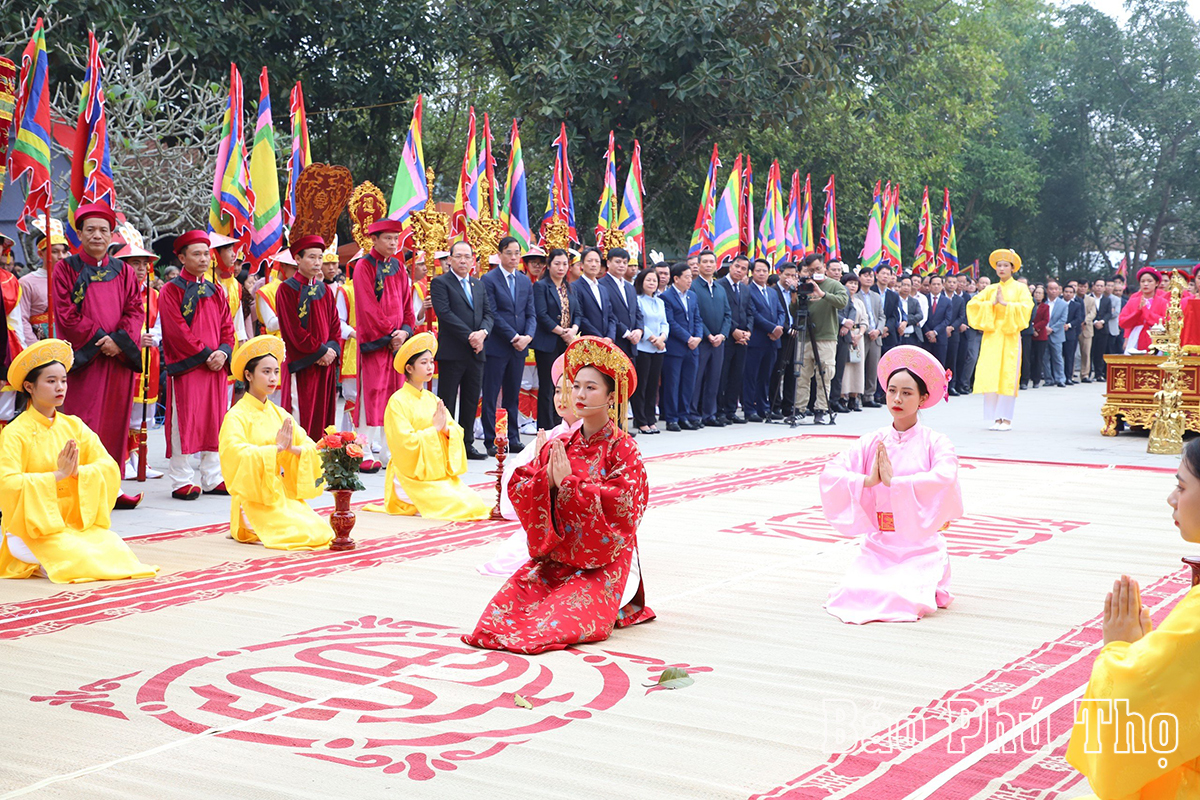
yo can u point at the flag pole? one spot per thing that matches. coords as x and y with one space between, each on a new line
49 284
143 436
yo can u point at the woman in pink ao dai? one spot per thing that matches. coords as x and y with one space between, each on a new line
898 489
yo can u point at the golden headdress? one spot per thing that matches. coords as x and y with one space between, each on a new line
592 351
265 345
413 345
1004 254
38 355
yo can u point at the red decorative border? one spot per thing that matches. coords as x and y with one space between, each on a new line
919 751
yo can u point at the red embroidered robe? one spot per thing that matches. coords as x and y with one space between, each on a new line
582 539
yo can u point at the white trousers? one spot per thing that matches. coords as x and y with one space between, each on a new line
179 468
998 406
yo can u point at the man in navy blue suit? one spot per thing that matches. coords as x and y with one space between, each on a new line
767 319
1075 317
733 365
938 327
510 295
622 299
598 317
716 321
885 279
683 337
956 288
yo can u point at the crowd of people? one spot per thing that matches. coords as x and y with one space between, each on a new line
712 345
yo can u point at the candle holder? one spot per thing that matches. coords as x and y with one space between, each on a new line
501 452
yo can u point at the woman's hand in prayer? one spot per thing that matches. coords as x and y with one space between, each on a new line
884 465
873 478
999 299
68 461
539 443
1125 619
439 416
558 467
283 439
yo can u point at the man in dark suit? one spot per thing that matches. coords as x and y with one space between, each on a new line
510 298
599 318
734 364
622 299
909 326
956 285
716 321
885 279
464 322
767 319
1104 312
683 337
783 376
938 328
1075 315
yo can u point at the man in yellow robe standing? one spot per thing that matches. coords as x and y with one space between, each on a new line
1001 311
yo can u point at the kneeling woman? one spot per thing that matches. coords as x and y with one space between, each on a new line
580 503
57 483
270 465
426 444
898 489
1144 680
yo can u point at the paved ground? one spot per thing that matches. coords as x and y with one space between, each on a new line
1052 424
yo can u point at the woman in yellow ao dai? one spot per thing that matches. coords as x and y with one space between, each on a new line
57 483
270 465
427 452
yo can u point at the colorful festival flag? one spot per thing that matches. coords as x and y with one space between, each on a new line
872 251
726 243
609 209
948 248
560 204
924 261
702 231
466 193
831 246
807 245
632 221
746 222
301 152
515 212
30 154
484 188
409 192
772 244
267 237
232 201
91 166
891 228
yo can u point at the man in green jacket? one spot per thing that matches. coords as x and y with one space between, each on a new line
824 301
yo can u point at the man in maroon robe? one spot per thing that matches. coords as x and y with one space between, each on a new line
197 334
98 309
384 315
308 320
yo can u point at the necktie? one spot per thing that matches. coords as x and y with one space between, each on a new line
466 282
512 288
933 310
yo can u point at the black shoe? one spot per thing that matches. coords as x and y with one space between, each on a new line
673 427
818 418
689 425
752 418
1060 385
1070 383
491 450
952 392
856 405
1085 380
475 455
1024 387
515 447
736 420
776 415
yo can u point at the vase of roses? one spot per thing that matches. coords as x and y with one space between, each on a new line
341 455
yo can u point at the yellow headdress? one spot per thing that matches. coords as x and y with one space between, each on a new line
38 355
1004 254
331 253
265 345
412 346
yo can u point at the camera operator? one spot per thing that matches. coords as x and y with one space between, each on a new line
815 319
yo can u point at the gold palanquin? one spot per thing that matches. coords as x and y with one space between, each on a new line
1132 382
